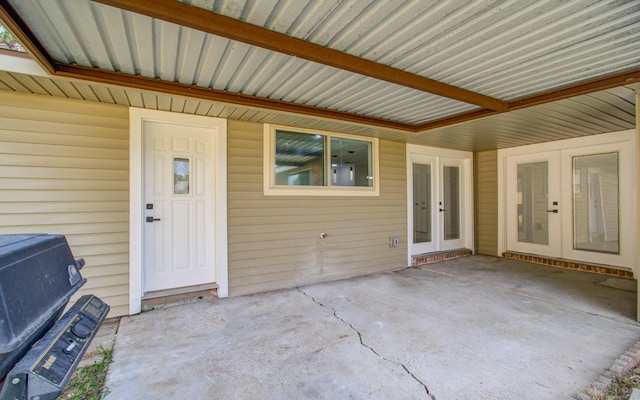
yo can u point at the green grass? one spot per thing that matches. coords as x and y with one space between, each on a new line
88 382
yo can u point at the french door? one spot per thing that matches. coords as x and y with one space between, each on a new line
438 203
572 202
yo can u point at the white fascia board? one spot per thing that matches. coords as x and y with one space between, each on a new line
12 61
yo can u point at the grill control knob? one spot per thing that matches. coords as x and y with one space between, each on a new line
70 347
82 328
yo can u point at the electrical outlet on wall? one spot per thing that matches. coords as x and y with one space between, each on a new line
394 241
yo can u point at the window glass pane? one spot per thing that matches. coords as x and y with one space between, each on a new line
351 162
533 219
451 202
421 203
596 203
181 176
299 163
299 159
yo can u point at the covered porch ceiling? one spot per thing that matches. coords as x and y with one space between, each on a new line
470 75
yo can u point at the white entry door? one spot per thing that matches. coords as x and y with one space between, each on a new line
534 209
178 195
439 205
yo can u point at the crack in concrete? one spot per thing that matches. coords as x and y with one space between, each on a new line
374 351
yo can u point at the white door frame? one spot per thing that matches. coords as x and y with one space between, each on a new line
601 143
415 153
137 117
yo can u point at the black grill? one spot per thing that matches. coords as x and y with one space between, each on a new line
39 350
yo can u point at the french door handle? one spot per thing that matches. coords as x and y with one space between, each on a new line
151 219
553 211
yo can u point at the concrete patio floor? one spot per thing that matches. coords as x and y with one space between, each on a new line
469 328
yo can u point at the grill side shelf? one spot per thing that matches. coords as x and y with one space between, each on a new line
47 367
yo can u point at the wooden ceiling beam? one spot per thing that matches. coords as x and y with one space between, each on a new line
593 85
19 28
174 88
230 28
577 89
28 39
21 31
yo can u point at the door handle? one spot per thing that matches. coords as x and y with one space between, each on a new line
151 219
553 211
442 209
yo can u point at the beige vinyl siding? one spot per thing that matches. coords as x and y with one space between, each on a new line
274 241
487 203
64 169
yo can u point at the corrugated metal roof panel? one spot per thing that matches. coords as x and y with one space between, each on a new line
505 49
599 112
578 116
502 48
136 44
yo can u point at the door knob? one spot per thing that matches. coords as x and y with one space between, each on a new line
151 219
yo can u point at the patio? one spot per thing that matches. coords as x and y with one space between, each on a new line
474 327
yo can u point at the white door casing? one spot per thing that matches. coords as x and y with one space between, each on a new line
442 165
217 224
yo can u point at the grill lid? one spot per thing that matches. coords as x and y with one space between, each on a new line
38 276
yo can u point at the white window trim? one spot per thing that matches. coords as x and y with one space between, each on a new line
281 190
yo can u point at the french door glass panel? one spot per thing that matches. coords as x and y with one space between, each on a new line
532 198
596 203
450 212
450 207
422 210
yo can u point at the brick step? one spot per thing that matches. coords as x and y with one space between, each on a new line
570 264
430 258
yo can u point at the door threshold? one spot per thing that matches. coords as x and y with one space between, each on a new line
185 294
430 258
601 269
